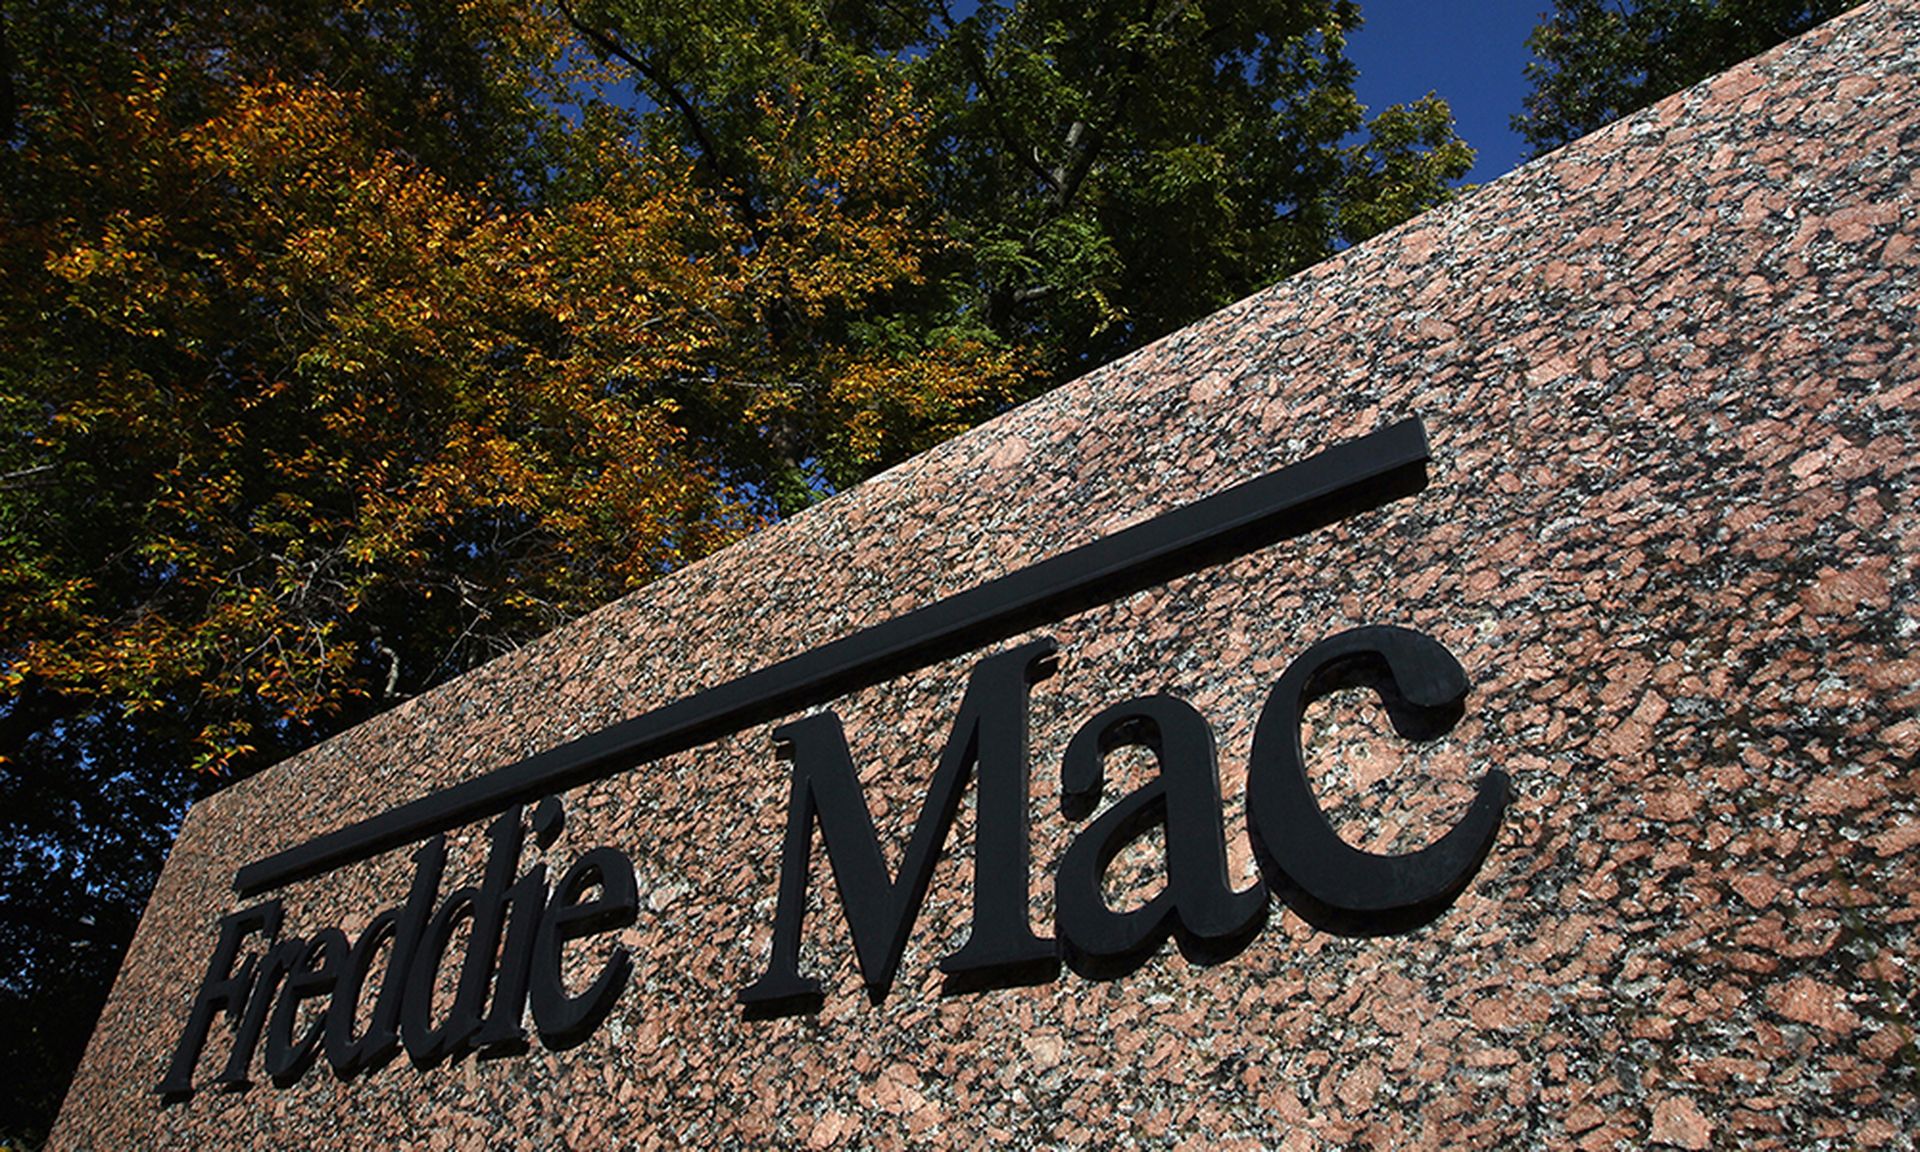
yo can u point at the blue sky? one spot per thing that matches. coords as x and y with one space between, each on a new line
1470 52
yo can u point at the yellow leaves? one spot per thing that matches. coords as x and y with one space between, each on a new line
839 227
35 602
301 133
893 406
116 278
220 746
344 392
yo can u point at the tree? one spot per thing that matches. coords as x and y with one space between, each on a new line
1119 170
298 421
1105 172
139 359
1596 61
90 805
810 150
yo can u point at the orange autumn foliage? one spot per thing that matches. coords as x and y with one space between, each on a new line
298 423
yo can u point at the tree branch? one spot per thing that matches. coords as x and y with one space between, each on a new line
1084 140
607 44
978 71
24 477
393 666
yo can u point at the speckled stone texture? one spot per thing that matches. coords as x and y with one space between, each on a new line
1670 379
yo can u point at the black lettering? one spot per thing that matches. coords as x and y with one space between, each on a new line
403 927
502 1034
991 732
1333 885
427 1046
346 1055
489 918
564 1020
220 991
273 967
313 974
1198 906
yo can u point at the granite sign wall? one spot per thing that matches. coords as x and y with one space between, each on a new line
1657 596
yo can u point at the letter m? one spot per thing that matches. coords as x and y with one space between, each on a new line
991 734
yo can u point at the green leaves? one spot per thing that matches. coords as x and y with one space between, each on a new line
1596 61
1115 171
1411 160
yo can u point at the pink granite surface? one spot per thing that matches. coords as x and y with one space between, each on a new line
1670 378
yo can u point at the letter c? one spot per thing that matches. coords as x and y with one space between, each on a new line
1330 883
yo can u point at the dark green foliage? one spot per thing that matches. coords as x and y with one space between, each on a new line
1106 172
1595 60
1116 171
88 805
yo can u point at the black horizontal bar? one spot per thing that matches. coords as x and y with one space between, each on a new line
1329 486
